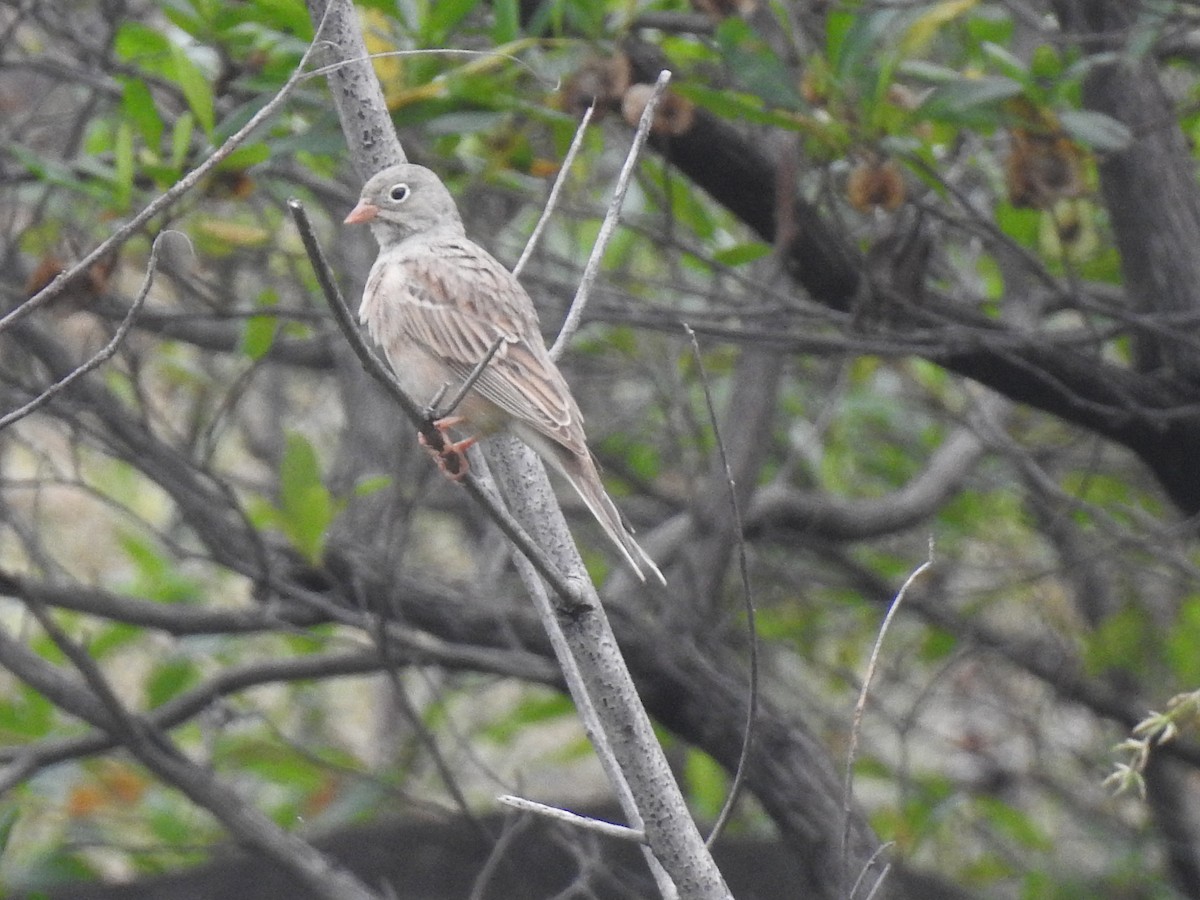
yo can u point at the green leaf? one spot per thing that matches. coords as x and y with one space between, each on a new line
305 505
536 707
1022 225
59 175
154 53
937 645
952 100
286 16
195 87
138 43
112 637
1006 62
990 24
25 716
123 166
8 821
1096 130
1046 64
443 16
928 72
169 679
506 22
245 157
855 45
1182 640
372 485
138 105
158 577
1017 825
259 334
741 254
920 34
755 65
181 140
707 783
1122 641
737 106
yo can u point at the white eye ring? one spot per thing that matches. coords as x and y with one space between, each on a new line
399 192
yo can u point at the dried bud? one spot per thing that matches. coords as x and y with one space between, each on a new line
603 81
673 116
876 183
1042 168
48 268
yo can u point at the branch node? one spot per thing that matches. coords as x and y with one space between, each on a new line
609 829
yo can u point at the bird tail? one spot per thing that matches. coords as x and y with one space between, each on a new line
581 472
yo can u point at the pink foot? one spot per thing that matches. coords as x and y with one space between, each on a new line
451 459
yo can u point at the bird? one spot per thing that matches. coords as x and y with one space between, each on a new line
436 303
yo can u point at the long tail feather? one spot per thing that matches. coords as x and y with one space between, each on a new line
581 473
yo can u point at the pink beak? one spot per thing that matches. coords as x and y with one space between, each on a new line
364 212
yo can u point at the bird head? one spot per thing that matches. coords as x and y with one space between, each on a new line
404 200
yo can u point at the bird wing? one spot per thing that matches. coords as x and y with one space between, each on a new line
453 300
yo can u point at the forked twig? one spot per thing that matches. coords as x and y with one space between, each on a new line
609 226
434 412
555 190
608 829
861 705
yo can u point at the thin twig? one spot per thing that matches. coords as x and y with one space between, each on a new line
612 217
879 851
106 353
552 201
399 696
861 705
875 888
468 383
165 200
739 776
609 829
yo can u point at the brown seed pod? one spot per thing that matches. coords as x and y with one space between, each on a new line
1042 168
600 80
674 115
876 183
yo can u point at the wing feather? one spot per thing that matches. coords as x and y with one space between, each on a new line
453 300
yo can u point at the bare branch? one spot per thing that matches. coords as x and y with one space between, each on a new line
859 708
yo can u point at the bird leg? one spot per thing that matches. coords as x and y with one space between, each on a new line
452 457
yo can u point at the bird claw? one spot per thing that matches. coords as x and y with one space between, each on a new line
451 458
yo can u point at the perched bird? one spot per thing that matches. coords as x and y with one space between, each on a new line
436 302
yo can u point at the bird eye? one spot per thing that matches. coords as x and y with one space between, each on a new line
399 192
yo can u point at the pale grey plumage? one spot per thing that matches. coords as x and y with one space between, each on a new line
436 302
